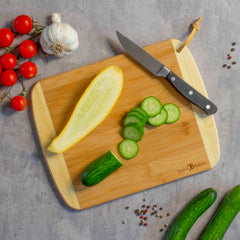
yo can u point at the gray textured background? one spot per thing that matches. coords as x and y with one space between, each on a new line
29 209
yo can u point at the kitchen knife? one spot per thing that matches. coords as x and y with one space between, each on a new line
160 70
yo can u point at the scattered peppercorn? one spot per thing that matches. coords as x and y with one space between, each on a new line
224 65
161 216
148 206
228 67
144 199
153 208
123 222
232 49
157 215
166 225
145 224
168 214
141 216
127 207
141 223
161 230
152 213
155 205
234 63
233 43
228 54
145 210
145 218
143 205
160 208
229 57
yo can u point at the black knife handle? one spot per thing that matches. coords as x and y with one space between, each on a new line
191 94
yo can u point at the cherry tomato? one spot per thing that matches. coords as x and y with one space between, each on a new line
18 103
8 61
28 70
6 37
27 48
0 69
8 78
23 24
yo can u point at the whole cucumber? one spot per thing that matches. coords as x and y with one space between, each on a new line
223 217
181 225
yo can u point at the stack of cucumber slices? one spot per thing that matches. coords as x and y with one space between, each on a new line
152 112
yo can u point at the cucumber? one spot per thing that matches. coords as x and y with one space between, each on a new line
223 217
131 131
140 110
100 169
181 225
173 112
133 119
128 148
143 119
158 119
151 105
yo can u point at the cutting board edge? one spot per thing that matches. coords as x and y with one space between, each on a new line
210 138
67 192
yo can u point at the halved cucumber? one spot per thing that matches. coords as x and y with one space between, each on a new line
128 148
131 131
100 169
173 112
152 106
158 119
133 119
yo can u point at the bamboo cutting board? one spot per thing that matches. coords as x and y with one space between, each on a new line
167 153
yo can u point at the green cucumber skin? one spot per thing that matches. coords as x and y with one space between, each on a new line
141 111
180 227
223 217
100 169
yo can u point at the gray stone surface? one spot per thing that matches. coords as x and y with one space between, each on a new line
29 209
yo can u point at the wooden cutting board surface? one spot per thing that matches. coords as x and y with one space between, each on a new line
167 153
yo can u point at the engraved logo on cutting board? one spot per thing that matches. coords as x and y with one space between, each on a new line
191 166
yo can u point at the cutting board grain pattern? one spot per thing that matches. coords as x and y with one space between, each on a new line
167 153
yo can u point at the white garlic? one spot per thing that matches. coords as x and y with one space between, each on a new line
59 39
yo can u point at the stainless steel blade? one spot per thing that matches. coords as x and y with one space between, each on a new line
143 57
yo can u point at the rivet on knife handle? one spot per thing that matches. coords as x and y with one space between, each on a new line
191 94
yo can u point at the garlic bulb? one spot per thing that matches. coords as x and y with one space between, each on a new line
59 39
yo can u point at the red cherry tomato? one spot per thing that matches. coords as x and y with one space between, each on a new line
6 37
23 24
27 48
28 70
8 61
18 103
8 78
0 69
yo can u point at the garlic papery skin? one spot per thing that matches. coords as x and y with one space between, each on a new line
59 38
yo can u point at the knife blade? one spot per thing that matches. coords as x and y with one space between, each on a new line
160 70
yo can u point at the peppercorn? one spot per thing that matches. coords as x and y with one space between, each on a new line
161 216
234 63
143 206
123 222
148 206
161 230
228 67
232 49
145 218
145 224
144 199
127 207
229 57
233 43
224 65
166 225
160 208
168 214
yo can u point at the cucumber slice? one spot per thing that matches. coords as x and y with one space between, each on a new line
128 148
133 119
173 112
131 131
152 106
138 115
139 110
158 119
